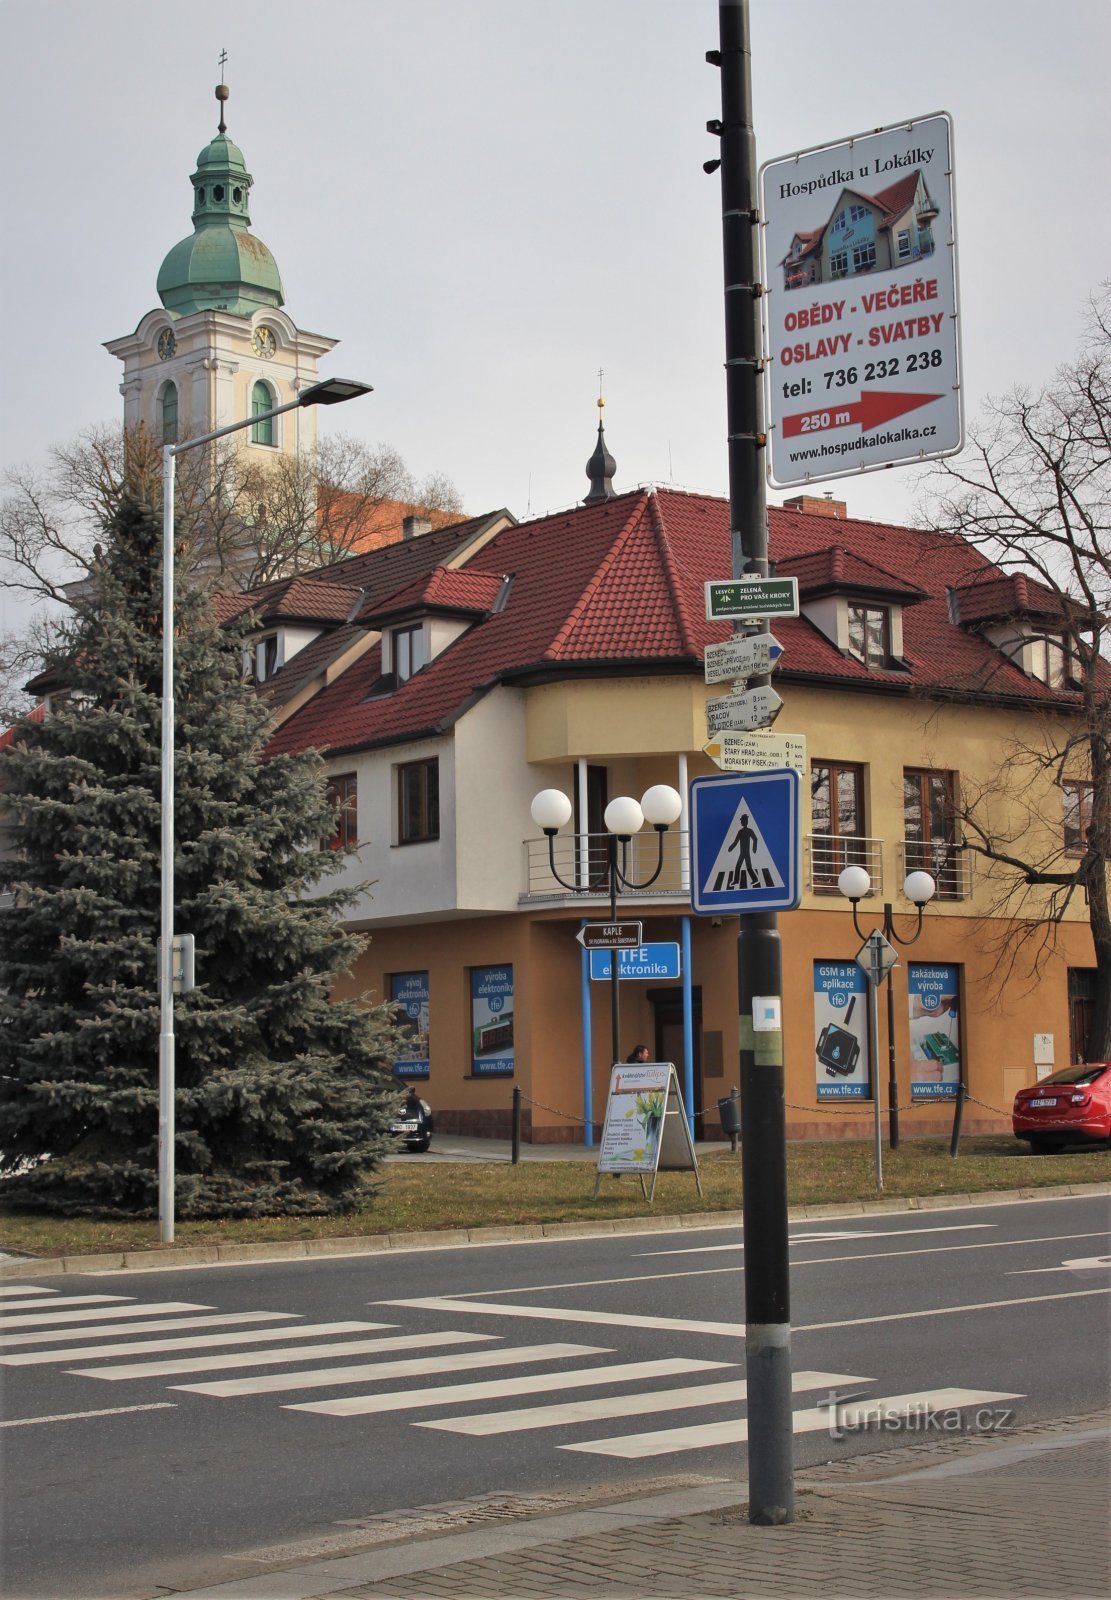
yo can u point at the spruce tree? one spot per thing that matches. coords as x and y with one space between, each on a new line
283 1094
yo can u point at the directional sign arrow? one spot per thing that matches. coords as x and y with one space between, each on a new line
872 410
756 708
757 752
741 657
611 935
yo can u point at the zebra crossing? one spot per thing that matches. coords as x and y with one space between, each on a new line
261 1354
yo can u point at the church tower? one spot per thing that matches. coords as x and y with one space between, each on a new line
220 347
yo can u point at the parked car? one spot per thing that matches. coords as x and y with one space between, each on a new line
1069 1107
413 1122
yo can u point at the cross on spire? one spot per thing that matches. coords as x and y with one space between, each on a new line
222 91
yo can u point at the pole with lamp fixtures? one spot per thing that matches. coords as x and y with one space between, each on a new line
660 805
331 391
919 888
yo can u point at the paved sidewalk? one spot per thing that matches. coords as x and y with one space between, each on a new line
1022 1514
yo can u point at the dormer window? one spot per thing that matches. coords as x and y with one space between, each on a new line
266 658
1049 660
407 650
870 634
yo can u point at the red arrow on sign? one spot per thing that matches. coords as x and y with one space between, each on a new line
875 407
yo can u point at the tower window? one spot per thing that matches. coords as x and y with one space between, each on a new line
237 195
261 432
169 414
218 192
200 197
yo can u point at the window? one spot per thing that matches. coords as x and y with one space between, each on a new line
930 828
1049 659
169 414
864 256
1077 797
838 223
902 242
839 263
407 647
869 635
857 213
343 794
418 801
837 820
267 657
262 400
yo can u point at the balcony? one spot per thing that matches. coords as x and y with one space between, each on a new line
827 855
582 861
950 865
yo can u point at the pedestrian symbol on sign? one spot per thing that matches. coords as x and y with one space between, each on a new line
744 860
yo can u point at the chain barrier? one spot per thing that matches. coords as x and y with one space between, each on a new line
566 1115
791 1105
830 1111
985 1105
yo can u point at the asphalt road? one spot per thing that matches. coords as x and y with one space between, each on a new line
157 1431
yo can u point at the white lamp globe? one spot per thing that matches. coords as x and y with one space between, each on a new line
854 883
550 809
661 805
623 816
919 888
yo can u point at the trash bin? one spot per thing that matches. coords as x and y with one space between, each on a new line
729 1110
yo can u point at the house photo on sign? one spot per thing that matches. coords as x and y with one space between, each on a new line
860 311
409 991
491 1022
933 997
841 1031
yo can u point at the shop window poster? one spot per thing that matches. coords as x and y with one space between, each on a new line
409 990
933 995
492 1022
841 1031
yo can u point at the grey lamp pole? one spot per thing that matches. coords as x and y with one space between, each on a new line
331 391
919 888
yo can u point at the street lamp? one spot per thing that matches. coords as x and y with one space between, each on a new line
919 888
660 806
329 392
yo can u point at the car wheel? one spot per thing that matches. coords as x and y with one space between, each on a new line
420 1145
1044 1147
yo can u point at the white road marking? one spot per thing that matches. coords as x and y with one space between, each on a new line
1077 1264
77 1416
53 1318
38 1303
24 1288
271 1358
625 1405
363 1405
375 1371
831 1236
114 1329
734 1430
610 1319
948 1311
206 1341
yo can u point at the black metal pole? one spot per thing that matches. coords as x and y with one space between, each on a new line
516 1124
615 994
958 1119
759 963
892 1080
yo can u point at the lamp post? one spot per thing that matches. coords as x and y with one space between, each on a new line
331 391
919 888
660 805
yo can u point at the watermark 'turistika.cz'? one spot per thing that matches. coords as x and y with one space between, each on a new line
847 1416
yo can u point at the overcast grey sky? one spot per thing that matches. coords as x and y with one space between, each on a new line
488 200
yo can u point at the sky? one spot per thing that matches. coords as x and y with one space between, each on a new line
486 201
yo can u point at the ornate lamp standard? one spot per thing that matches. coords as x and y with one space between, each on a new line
661 806
919 888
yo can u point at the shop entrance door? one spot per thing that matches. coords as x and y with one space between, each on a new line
667 1010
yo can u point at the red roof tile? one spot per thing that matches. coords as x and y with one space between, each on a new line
443 589
838 569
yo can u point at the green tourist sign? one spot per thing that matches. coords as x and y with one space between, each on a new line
751 598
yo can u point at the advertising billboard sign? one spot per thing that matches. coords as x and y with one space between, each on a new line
841 1031
933 996
409 990
491 1021
860 304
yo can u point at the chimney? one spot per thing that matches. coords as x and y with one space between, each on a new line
812 506
413 527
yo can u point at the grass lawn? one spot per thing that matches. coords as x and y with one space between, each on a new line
415 1196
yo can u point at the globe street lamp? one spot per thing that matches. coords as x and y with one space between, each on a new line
919 888
659 806
329 392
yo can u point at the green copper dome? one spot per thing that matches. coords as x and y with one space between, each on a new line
221 266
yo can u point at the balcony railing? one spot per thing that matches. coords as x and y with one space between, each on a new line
829 854
583 862
950 866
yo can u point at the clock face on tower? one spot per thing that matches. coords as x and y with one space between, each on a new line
264 342
167 344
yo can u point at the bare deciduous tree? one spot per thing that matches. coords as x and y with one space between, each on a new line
1033 492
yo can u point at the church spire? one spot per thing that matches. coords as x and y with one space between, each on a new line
601 466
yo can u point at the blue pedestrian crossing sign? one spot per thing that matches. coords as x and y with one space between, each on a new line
746 842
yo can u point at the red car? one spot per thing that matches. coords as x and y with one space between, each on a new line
1069 1107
